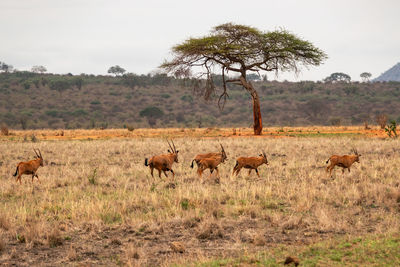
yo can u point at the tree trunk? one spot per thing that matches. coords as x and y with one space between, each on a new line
256 106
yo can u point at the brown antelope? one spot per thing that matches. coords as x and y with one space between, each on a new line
251 163
29 167
344 161
207 155
211 162
163 162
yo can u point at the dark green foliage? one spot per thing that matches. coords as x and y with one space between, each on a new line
338 77
391 129
26 85
36 82
187 98
117 70
60 85
365 76
6 67
152 114
78 82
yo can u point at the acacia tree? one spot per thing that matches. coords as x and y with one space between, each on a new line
242 49
338 77
365 76
6 67
39 69
117 70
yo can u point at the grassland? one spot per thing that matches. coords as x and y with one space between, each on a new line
97 203
211 132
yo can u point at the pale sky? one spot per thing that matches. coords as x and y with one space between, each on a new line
89 36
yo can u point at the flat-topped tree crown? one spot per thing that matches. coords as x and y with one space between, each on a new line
243 49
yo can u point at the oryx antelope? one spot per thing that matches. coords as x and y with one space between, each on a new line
29 167
344 161
251 163
211 162
163 162
206 155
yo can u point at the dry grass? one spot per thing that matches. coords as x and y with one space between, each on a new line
293 200
275 132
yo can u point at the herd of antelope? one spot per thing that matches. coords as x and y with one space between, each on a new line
211 161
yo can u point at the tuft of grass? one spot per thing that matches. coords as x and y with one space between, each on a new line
92 178
111 217
185 204
54 238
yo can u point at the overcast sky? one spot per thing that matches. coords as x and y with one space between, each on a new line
89 36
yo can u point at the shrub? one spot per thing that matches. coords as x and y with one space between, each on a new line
391 129
4 130
54 238
36 82
335 121
26 85
381 119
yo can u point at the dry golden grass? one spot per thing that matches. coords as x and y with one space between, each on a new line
276 132
96 188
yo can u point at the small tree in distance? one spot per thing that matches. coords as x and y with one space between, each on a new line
242 49
39 69
152 114
365 76
338 77
6 67
116 70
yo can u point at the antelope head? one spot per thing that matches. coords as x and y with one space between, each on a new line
264 160
173 150
355 152
223 154
39 156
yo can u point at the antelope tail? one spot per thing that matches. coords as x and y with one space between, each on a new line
328 160
146 163
235 168
191 166
16 172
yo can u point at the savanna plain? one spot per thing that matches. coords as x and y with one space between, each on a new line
97 203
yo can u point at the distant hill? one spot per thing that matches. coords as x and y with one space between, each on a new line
34 101
392 74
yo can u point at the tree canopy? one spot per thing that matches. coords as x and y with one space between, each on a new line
152 114
116 70
241 49
338 77
39 69
6 67
365 76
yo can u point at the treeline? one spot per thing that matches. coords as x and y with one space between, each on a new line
31 100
